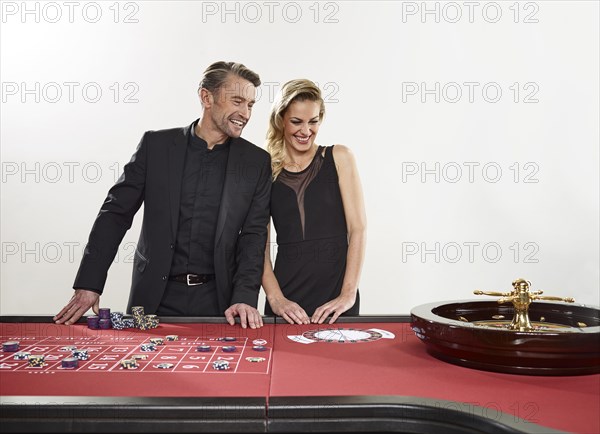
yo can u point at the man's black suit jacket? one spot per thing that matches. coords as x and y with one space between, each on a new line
153 177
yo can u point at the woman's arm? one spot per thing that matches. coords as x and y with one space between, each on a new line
356 221
287 309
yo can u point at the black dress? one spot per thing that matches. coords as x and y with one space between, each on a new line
312 238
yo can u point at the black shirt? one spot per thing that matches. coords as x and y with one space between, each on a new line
201 188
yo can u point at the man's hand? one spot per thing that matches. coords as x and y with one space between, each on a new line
80 303
248 315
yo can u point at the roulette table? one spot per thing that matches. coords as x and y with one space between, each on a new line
361 374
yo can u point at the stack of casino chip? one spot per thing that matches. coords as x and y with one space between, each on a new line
138 315
36 361
129 364
148 347
10 346
80 354
139 357
128 321
104 314
70 362
165 365
21 355
116 320
220 365
93 322
141 321
152 321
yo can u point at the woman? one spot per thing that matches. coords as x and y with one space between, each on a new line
318 211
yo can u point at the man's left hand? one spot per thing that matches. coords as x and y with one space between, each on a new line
249 316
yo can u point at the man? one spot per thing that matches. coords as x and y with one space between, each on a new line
206 198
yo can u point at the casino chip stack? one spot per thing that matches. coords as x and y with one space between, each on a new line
21 355
116 320
93 322
128 321
220 365
10 346
104 313
143 322
80 354
165 365
129 364
148 347
152 321
104 322
36 361
70 362
138 315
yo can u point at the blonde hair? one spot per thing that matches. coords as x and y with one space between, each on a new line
294 90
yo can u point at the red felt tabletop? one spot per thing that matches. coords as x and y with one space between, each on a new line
401 366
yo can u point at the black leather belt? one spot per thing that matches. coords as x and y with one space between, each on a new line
192 279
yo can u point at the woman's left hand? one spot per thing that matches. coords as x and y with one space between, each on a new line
334 307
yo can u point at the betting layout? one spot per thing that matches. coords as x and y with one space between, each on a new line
135 351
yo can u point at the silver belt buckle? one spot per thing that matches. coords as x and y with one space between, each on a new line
188 280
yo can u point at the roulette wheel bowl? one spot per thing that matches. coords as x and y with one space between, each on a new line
565 339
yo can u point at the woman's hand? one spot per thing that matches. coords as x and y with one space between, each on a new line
334 307
289 310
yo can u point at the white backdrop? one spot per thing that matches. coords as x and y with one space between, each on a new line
474 124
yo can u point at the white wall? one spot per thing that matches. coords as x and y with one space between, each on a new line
470 191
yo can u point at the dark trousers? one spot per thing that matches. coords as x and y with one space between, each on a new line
180 299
